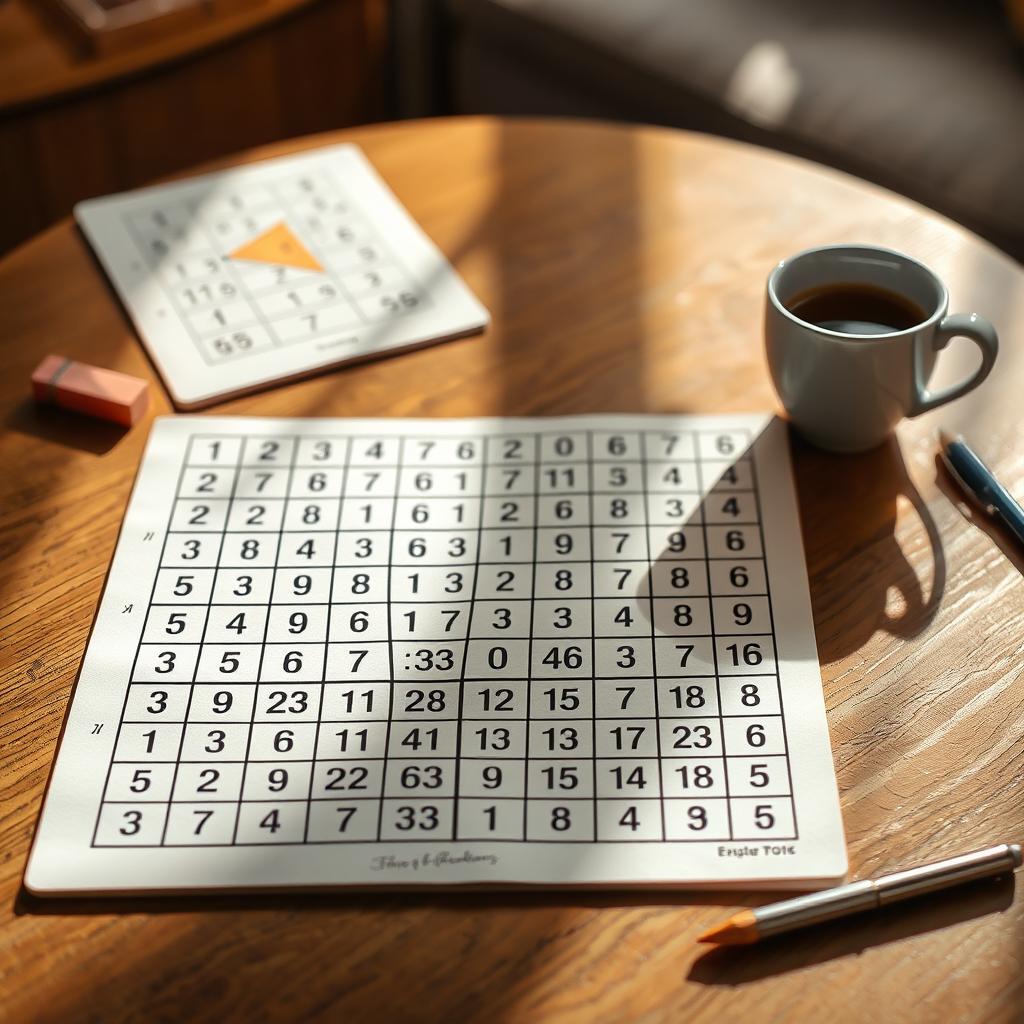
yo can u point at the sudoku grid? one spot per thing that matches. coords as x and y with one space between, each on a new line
233 308
524 637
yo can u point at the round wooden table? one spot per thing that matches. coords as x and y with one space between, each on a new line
624 269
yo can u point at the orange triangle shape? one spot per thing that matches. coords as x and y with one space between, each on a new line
277 245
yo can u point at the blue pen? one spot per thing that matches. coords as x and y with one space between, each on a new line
980 485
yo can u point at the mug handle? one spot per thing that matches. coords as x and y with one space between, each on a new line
959 325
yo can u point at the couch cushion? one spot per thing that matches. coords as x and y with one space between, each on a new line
923 96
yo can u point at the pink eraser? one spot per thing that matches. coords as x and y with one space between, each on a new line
105 394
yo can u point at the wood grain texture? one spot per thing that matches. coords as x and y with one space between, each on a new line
624 269
102 124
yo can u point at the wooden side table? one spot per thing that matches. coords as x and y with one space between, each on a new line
624 270
74 126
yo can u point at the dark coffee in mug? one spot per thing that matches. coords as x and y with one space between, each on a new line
856 309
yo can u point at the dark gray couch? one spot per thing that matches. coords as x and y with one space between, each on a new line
923 96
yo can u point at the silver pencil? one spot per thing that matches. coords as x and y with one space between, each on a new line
752 925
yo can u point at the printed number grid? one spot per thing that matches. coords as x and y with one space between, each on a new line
235 308
550 637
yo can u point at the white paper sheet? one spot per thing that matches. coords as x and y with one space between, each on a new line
351 275
566 651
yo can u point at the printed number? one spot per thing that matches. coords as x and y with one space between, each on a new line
626 778
561 778
427 776
571 657
564 699
560 820
418 700
691 736
734 540
685 650
630 819
691 697
347 778
282 703
424 818
203 818
698 776
494 739
749 654
132 823
756 736
426 659
496 700
222 701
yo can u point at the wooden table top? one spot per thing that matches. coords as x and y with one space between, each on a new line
624 268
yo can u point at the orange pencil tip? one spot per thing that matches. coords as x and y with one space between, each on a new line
739 930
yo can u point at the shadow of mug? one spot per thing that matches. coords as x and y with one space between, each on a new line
849 510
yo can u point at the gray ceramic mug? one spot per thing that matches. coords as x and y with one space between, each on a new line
846 392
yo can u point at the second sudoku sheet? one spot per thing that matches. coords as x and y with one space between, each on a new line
272 270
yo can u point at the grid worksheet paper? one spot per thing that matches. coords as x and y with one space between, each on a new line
272 270
557 651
